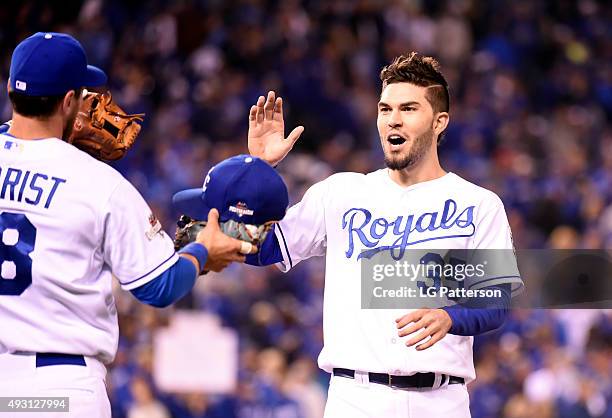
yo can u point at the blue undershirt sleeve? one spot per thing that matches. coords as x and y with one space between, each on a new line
169 286
269 252
479 316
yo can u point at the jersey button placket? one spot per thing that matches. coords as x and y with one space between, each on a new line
396 351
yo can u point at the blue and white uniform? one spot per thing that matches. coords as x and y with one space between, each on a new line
68 224
349 216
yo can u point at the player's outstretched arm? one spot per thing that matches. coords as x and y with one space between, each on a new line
212 250
266 137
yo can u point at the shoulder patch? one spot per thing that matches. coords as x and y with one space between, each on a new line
155 227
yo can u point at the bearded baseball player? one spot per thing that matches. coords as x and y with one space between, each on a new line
396 362
68 222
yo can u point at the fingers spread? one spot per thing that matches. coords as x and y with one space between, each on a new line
260 109
269 105
295 134
278 108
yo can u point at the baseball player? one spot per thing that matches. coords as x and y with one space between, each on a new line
67 223
391 363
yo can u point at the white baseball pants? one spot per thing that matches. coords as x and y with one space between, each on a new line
83 385
358 398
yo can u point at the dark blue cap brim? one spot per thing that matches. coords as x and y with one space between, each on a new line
95 77
189 202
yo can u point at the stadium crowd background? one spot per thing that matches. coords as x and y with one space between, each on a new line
531 104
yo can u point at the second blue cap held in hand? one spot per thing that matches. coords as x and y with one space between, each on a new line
243 188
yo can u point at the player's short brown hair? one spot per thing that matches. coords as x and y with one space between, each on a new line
420 71
40 107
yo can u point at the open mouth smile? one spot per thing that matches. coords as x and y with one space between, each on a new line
396 140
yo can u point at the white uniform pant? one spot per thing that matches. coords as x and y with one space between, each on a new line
83 385
361 399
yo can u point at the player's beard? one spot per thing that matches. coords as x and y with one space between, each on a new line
418 149
70 124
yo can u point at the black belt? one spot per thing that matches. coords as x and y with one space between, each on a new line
53 359
415 381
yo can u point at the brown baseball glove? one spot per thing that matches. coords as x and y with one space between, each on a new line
102 129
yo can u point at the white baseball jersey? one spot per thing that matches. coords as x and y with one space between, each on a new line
67 222
348 213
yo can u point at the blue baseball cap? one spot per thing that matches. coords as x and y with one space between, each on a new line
243 188
51 64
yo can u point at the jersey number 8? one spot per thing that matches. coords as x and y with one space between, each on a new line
17 238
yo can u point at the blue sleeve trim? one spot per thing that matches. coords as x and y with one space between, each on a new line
169 286
198 251
285 244
269 252
149 272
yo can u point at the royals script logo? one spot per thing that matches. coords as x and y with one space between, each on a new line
409 229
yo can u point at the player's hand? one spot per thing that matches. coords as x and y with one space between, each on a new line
267 130
222 250
434 323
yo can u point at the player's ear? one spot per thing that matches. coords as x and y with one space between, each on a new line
440 122
69 101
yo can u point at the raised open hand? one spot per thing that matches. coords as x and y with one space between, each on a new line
267 130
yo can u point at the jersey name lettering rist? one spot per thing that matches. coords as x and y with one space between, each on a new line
26 186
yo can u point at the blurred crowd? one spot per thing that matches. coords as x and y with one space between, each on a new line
531 104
